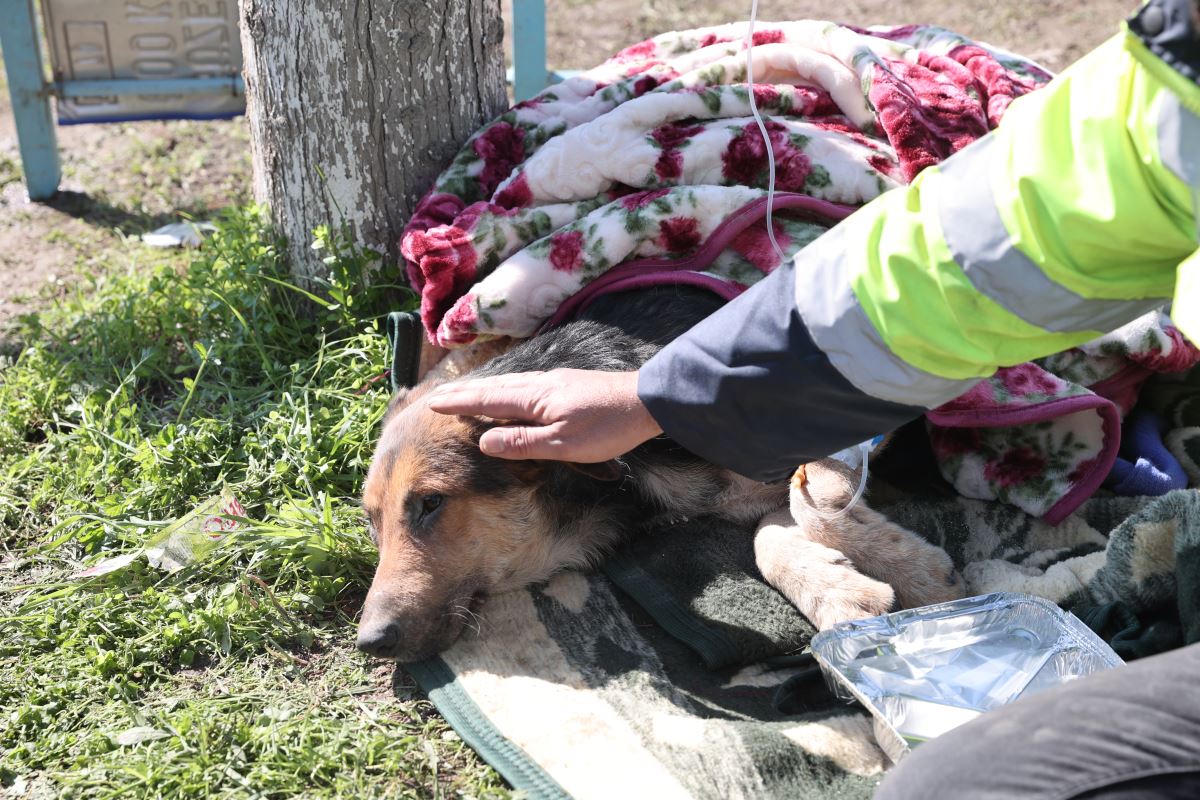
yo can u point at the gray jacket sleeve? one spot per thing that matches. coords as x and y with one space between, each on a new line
747 388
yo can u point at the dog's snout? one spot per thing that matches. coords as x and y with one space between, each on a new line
378 639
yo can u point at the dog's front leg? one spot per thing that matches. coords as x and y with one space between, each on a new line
820 581
920 572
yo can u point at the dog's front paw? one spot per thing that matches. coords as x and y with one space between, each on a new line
854 597
920 572
820 488
925 575
820 581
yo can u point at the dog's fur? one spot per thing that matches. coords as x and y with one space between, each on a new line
453 525
837 566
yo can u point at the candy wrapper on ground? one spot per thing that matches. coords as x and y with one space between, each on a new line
179 234
184 541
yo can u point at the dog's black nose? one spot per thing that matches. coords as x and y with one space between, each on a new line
378 639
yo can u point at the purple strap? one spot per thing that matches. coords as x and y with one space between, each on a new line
659 271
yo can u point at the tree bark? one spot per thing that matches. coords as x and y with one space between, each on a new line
355 106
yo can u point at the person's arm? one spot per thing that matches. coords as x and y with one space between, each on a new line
1069 221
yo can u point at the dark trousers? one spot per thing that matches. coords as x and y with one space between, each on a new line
1131 732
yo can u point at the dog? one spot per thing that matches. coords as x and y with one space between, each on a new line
454 526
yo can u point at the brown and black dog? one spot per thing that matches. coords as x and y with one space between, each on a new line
453 525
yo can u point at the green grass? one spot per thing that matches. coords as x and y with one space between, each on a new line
143 394
10 171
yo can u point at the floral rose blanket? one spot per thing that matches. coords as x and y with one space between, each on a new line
650 168
1044 436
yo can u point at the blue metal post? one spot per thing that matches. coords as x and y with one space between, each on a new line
529 48
30 98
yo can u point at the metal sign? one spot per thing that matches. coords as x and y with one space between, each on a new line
159 43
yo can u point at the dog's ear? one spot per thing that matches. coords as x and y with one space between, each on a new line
606 471
431 355
532 472
398 402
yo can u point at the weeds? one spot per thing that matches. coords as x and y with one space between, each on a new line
136 399
10 170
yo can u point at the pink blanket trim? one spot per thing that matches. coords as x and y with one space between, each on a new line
1094 471
658 271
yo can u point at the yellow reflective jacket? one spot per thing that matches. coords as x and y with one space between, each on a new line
1078 214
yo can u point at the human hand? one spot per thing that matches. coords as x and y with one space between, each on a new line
568 414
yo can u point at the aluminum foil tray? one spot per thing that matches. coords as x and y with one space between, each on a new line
924 671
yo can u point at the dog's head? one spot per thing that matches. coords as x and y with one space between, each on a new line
452 526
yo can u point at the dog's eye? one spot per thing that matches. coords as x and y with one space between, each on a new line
423 508
371 530
431 503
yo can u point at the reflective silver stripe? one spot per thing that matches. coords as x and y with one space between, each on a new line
1179 145
1179 139
980 244
839 326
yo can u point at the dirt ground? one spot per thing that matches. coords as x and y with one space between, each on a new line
581 33
122 180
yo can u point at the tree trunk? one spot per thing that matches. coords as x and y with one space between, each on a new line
355 106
